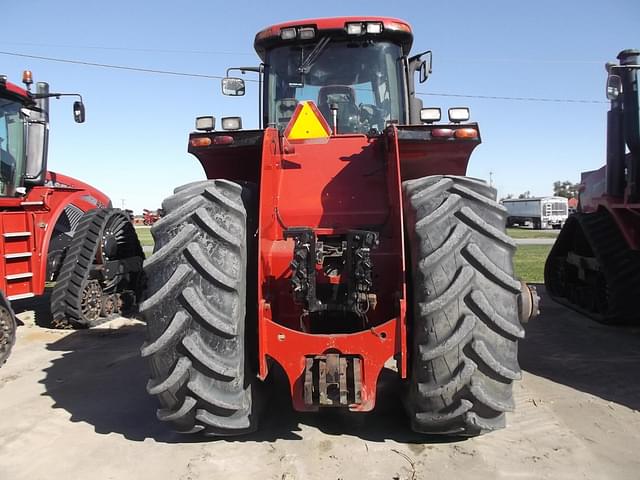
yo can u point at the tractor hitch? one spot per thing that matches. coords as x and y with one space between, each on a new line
332 380
335 258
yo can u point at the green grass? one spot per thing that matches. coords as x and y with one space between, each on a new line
529 259
529 262
144 235
527 233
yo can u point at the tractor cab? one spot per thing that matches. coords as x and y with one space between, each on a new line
24 130
12 146
356 80
355 70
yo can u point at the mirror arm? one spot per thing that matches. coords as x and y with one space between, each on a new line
415 64
56 95
244 70
259 70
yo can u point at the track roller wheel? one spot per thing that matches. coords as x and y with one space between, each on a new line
463 312
104 259
195 308
7 328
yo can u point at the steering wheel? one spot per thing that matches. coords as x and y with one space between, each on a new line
370 116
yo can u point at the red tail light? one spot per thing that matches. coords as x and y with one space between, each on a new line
442 133
223 140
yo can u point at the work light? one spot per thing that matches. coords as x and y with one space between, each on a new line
430 115
205 123
231 123
458 114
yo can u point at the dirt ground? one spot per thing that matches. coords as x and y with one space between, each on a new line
73 405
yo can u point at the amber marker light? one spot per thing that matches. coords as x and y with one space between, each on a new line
398 26
200 142
466 133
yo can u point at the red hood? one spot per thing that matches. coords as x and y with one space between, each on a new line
58 180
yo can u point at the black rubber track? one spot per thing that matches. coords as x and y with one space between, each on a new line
612 296
464 323
75 272
7 329
195 310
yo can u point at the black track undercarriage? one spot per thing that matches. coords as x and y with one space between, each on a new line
592 270
101 275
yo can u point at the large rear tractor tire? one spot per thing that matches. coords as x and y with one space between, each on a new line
7 329
464 322
101 276
196 310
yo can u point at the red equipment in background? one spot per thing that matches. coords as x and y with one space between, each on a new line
295 253
149 217
594 266
44 223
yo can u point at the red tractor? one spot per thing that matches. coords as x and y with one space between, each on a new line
149 217
340 236
594 266
54 227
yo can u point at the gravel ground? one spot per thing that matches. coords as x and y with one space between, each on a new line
73 406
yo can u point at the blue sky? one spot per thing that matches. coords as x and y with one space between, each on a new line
133 145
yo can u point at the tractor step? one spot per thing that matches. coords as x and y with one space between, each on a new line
21 296
16 234
10 256
333 380
19 276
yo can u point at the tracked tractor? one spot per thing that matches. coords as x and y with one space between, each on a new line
594 266
56 228
339 237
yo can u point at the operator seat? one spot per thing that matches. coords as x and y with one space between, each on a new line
344 97
284 110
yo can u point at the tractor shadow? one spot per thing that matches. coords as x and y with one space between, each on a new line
38 309
100 379
568 348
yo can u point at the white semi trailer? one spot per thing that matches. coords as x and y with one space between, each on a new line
541 212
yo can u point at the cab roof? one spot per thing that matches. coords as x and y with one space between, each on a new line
14 92
393 29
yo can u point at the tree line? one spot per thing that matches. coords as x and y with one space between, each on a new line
561 188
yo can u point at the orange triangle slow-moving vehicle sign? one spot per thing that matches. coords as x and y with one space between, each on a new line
307 124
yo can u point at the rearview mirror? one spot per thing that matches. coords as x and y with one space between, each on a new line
78 112
614 87
233 87
425 67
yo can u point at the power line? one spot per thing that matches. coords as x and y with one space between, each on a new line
107 65
446 60
519 99
527 61
128 49
200 75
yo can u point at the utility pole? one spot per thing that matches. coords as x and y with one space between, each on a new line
122 202
491 179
